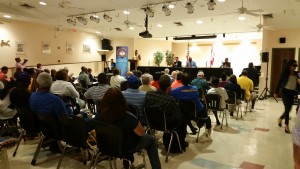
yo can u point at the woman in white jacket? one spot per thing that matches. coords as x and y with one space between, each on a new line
7 111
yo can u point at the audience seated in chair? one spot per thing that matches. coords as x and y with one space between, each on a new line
220 91
233 86
177 81
166 103
188 93
200 82
135 97
247 85
97 92
62 87
146 87
84 78
134 134
116 79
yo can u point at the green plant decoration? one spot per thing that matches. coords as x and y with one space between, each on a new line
169 58
158 57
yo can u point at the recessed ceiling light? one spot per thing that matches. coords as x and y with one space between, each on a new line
98 32
43 3
171 6
242 17
221 0
131 28
159 25
7 16
199 22
126 12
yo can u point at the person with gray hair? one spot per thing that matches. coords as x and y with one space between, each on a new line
146 87
45 103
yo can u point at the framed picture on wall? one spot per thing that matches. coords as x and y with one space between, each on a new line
70 47
20 48
86 48
46 48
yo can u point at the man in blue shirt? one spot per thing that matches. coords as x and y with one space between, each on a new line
191 63
135 97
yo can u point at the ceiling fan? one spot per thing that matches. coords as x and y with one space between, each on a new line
243 10
260 26
129 24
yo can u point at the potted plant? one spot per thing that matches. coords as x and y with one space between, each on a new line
169 58
158 57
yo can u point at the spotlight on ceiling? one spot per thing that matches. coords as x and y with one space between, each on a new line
82 20
149 11
242 17
166 10
95 18
190 8
71 21
211 5
107 18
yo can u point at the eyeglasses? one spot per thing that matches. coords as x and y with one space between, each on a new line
294 65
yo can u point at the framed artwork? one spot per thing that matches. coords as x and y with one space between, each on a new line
86 48
46 48
70 47
20 48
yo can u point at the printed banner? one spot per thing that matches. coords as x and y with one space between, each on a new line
122 59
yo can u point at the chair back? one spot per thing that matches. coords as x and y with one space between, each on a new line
75 130
243 95
155 119
231 97
133 109
213 102
49 126
28 120
201 93
91 105
188 109
109 138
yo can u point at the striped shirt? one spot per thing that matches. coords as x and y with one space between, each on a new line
96 92
137 98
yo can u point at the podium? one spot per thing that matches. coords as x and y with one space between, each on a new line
133 64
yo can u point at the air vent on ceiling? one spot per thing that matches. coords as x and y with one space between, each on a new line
26 6
268 16
118 29
178 23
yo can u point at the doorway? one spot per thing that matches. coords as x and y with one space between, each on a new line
280 57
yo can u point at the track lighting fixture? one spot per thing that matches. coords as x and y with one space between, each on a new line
149 11
107 18
166 10
190 8
82 20
71 21
95 18
211 5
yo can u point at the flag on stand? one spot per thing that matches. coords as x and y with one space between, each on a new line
212 56
187 56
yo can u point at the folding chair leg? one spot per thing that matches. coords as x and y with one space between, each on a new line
22 134
222 120
198 135
226 119
179 143
61 156
37 151
168 151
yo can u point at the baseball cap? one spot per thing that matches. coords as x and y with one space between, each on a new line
200 74
23 77
133 80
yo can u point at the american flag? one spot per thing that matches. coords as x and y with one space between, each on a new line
187 56
212 56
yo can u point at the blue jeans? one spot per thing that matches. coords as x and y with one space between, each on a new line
148 142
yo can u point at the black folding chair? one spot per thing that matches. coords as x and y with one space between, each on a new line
188 109
29 125
156 120
110 143
213 103
233 101
75 134
50 130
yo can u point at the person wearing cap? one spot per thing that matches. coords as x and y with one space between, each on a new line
190 63
166 103
19 96
247 84
135 97
97 92
200 82
44 102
